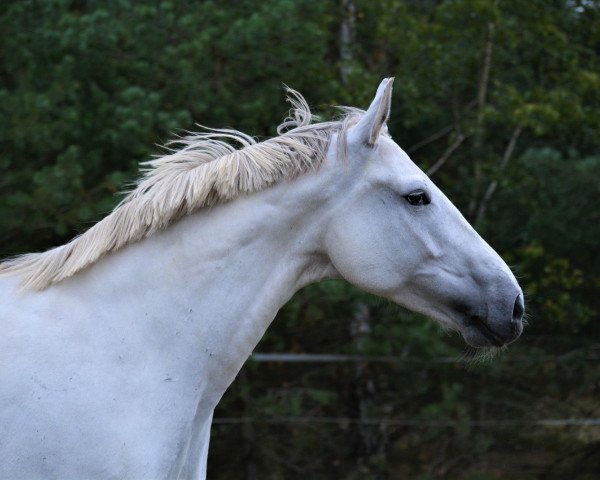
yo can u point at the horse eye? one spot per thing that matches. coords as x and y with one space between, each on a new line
418 197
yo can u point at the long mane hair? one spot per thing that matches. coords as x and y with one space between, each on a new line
198 170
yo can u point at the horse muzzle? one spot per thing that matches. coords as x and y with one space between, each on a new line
499 326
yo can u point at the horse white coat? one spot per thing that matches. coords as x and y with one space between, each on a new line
114 372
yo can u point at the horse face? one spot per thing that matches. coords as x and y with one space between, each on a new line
395 234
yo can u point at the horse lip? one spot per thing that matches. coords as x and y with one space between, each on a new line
486 331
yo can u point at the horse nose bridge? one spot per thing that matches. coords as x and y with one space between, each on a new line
490 271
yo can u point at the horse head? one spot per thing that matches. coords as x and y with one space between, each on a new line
395 234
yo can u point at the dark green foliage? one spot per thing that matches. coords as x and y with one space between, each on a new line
497 96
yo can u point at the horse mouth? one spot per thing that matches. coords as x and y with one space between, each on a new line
484 330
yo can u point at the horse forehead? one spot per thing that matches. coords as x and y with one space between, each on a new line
395 161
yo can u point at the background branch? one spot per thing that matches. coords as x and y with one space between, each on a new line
447 154
494 183
431 138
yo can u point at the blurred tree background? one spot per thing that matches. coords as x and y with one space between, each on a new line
498 100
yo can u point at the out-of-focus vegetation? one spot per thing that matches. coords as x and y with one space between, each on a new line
498 99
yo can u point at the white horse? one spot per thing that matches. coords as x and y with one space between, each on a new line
116 347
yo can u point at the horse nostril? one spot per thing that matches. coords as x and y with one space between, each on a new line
518 309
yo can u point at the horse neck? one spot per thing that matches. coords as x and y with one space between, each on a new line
218 277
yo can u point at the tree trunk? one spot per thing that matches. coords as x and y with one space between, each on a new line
347 39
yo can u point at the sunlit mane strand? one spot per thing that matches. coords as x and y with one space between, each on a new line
199 170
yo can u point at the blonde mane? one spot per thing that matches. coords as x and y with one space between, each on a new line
204 170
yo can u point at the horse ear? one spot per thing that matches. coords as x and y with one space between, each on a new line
369 126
